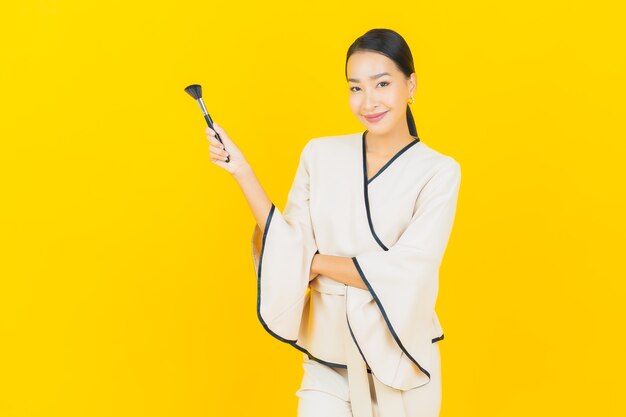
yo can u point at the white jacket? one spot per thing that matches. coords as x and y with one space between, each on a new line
395 227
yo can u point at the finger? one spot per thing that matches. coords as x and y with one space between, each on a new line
209 132
215 158
218 152
223 135
215 142
211 135
220 162
218 148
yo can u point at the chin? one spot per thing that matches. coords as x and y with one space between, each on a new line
378 128
383 127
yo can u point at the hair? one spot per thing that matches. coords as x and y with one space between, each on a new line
389 43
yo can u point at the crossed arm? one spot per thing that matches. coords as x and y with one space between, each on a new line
339 268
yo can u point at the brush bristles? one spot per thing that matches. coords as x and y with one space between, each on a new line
194 90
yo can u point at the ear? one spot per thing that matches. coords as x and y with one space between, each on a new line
412 82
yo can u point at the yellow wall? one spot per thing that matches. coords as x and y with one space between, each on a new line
127 284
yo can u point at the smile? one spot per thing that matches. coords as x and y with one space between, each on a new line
375 117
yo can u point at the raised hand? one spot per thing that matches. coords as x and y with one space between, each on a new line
219 152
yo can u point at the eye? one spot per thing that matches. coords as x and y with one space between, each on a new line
386 83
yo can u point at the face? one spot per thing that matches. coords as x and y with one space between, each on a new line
371 93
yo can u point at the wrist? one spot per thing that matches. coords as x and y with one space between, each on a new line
315 263
244 172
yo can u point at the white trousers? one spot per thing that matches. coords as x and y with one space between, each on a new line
325 392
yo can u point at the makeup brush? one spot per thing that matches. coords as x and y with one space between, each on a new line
195 91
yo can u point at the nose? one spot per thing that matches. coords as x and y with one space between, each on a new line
371 101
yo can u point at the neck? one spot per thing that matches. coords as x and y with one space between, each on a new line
388 142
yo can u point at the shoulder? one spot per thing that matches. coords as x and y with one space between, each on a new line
333 143
441 163
328 150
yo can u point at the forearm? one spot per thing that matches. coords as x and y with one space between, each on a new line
339 268
257 199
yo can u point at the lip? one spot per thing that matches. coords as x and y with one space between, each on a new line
375 117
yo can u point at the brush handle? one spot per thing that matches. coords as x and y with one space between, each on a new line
210 123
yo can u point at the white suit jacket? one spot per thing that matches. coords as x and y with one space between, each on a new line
395 227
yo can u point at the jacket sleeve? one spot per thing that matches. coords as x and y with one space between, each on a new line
282 256
403 280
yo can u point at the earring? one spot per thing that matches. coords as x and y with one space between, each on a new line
411 101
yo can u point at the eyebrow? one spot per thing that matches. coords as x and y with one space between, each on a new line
371 78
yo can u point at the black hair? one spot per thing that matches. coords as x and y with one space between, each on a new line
389 43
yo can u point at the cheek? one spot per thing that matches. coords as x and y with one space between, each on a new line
394 97
355 103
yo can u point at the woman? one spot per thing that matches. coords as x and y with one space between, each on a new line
348 272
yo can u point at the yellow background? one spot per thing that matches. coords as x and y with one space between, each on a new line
127 284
